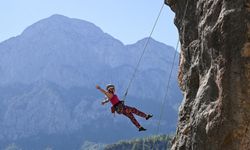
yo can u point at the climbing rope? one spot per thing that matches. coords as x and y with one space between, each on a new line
168 83
142 54
171 71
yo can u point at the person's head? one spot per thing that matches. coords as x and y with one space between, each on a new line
110 88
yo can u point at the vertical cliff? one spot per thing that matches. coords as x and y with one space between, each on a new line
214 74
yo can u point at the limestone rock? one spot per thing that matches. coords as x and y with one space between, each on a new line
214 74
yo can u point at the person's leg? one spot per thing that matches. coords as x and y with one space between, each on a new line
136 111
132 118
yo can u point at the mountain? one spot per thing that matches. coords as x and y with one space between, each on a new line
48 76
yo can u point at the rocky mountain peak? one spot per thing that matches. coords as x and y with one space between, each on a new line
61 26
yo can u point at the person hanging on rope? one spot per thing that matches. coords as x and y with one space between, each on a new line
119 106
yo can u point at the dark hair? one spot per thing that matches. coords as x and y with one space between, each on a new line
110 86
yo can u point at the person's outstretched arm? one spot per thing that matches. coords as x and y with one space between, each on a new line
109 95
106 100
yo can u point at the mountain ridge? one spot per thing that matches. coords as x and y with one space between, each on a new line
48 83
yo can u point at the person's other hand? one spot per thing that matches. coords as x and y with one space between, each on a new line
98 87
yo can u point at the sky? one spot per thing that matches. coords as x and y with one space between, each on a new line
126 20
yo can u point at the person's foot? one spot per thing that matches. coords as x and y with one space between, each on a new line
142 129
149 116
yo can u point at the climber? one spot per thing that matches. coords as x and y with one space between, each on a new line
119 107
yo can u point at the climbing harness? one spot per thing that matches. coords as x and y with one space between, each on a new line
119 107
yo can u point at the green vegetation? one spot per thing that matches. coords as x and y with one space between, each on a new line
159 142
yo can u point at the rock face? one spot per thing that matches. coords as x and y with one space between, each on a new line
214 74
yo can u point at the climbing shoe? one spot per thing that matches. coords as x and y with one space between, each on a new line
149 116
142 129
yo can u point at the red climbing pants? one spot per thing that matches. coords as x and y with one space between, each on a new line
129 111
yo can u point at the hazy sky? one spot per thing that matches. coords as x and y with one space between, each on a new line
126 20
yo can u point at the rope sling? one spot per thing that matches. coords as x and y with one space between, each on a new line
168 83
171 71
142 54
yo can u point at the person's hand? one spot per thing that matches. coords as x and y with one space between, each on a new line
98 87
